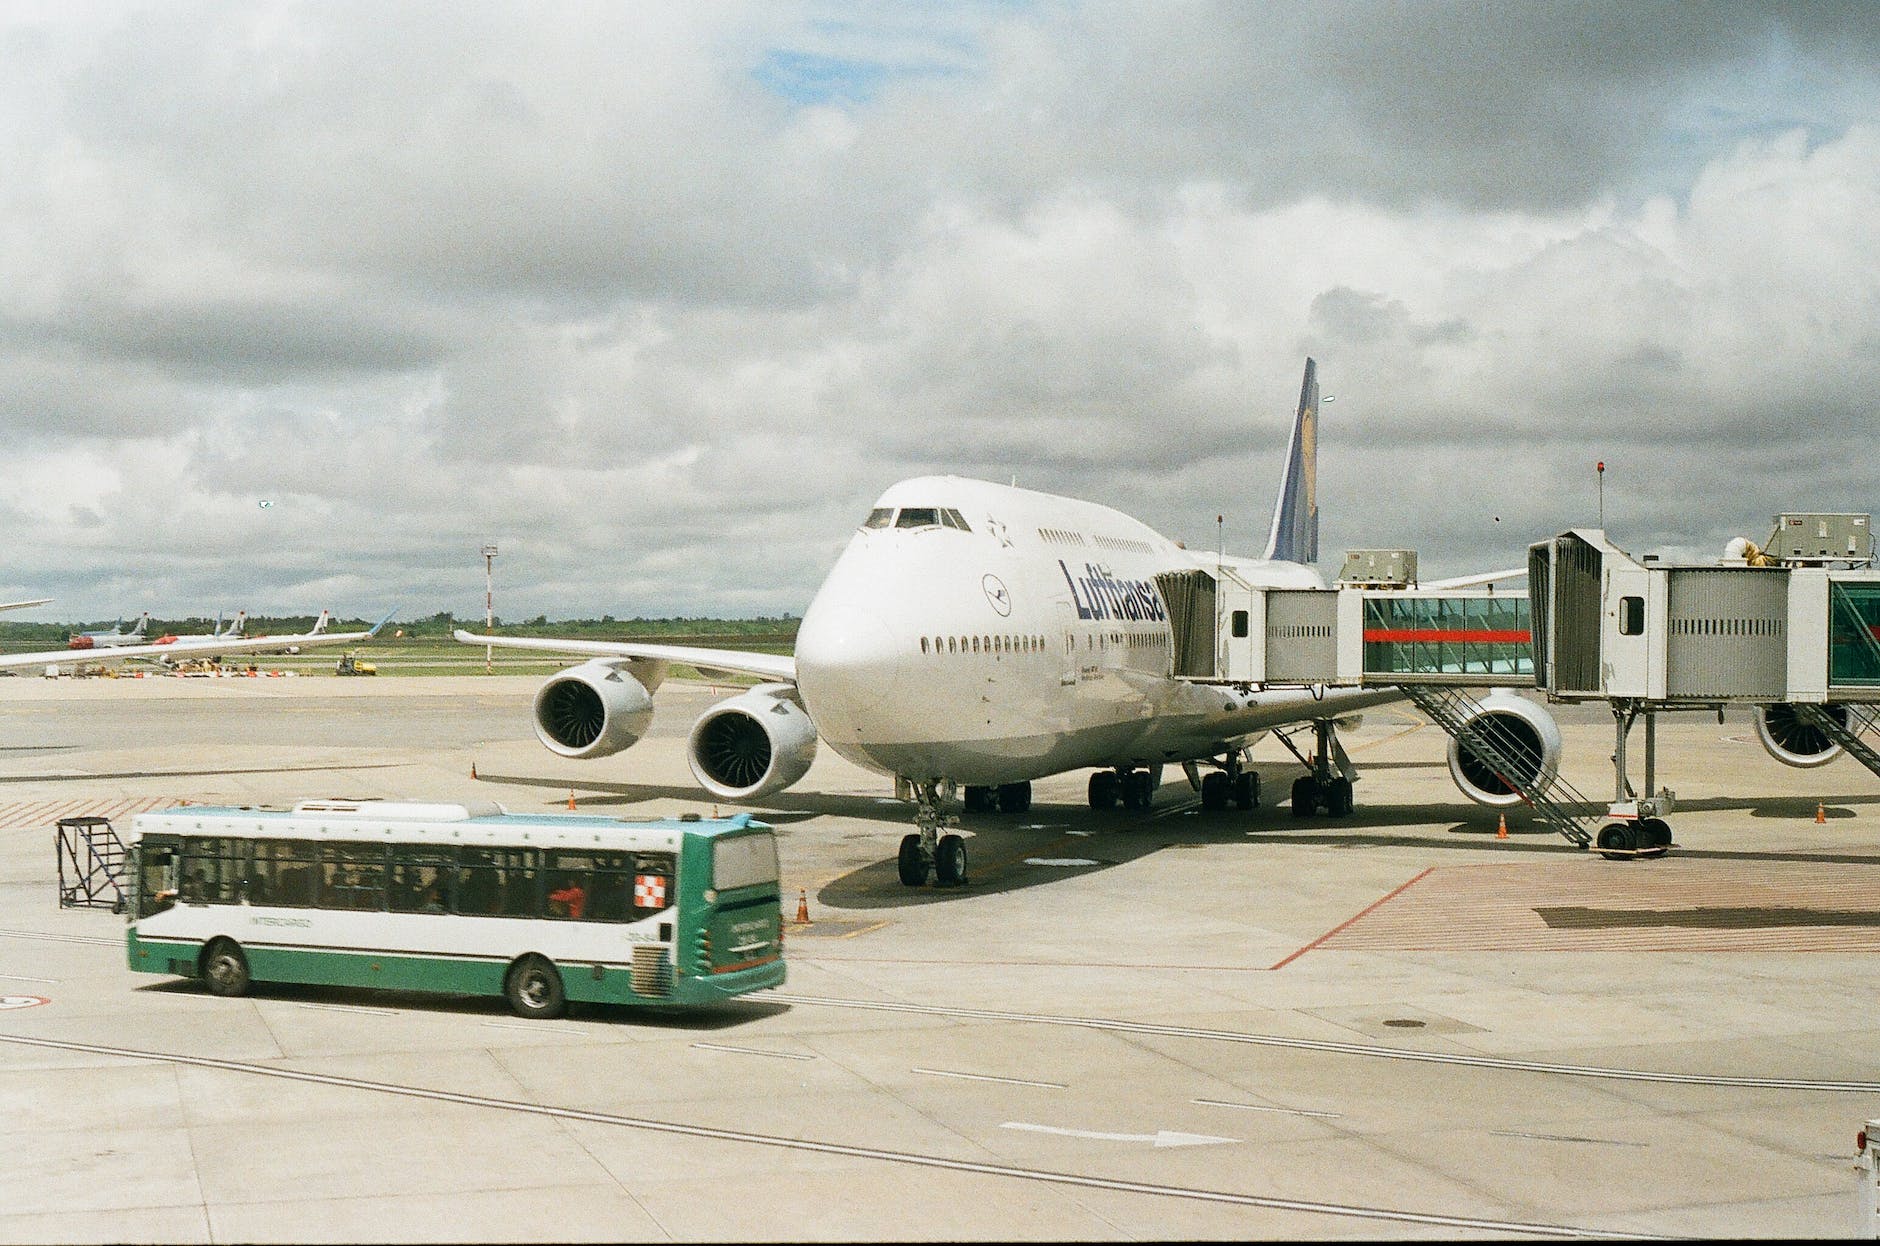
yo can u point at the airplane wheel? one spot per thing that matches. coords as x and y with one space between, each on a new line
1338 797
1616 841
1305 796
913 869
1138 789
1246 790
1216 789
1103 789
1015 797
949 862
979 800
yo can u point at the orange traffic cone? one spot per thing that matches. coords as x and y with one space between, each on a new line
570 798
1501 827
473 770
802 907
1821 813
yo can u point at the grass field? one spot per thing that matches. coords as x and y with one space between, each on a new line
428 655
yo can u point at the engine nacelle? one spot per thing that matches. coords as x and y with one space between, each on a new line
1519 728
752 745
1792 739
593 710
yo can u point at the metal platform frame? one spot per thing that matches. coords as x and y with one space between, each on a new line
91 864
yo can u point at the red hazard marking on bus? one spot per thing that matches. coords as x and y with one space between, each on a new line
22 1001
1437 635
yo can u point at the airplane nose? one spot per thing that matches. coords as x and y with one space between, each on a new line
846 659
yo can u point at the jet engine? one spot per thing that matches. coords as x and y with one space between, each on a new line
1519 728
1792 739
594 710
753 744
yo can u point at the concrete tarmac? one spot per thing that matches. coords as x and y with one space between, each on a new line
1160 1025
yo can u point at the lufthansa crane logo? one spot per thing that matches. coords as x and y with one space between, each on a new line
997 594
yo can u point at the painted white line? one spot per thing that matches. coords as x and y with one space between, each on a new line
813 1146
1160 1138
1256 1107
518 1025
983 1077
370 1012
1069 862
753 1051
20 977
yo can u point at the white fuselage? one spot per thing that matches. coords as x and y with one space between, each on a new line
1030 641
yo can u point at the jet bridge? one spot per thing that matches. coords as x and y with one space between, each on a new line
1793 630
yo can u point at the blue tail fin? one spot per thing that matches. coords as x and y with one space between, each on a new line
1295 535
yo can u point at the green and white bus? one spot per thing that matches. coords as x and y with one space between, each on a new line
460 898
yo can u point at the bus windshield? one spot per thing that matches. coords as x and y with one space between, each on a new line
744 861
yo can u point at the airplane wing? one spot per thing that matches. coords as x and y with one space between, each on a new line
195 649
1472 581
22 605
777 666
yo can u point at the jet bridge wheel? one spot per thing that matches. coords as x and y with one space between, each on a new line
1654 836
1617 841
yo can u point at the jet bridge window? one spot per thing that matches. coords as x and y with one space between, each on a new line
917 517
880 517
1631 616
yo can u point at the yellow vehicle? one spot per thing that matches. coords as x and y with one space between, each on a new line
350 664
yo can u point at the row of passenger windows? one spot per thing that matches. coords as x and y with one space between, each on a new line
411 878
1061 536
1036 644
982 644
916 517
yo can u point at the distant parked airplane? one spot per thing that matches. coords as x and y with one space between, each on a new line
113 639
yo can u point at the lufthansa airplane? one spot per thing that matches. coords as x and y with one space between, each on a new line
974 637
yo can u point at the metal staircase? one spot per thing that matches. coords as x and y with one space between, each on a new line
1845 731
1554 801
91 864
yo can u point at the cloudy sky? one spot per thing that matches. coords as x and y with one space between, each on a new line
659 297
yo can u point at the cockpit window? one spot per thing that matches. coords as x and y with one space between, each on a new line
880 517
918 517
953 519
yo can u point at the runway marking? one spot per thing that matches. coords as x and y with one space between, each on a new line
987 1077
1258 1107
910 1158
1366 911
20 977
29 814
369 1012
1160 1138
94 940
1335 1047
753 1051
1672 905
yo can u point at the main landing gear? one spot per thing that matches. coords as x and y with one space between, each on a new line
1005 798
1328 787
1230 784
928 850
1133 788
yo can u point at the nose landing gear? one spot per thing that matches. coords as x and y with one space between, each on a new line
928 850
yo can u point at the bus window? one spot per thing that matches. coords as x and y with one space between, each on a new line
421 878
498 882
352 876
211 870
744 861
281 873
156 875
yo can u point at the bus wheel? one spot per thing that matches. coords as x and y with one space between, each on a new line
534 989
225 969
